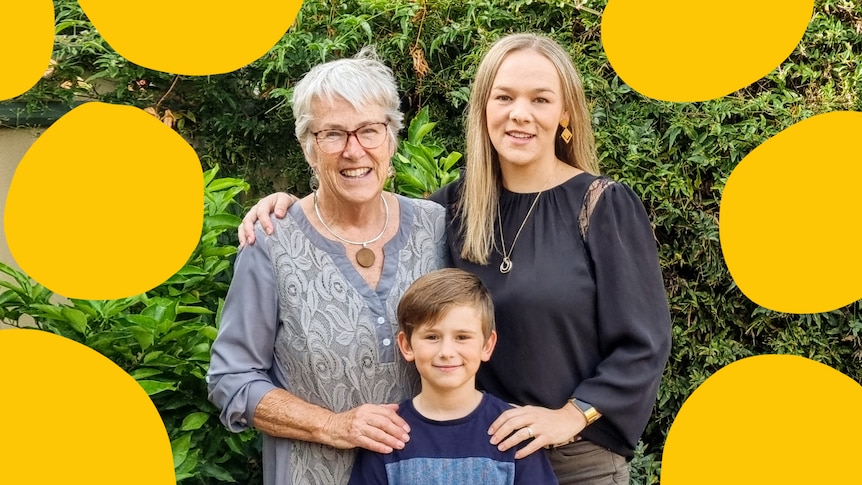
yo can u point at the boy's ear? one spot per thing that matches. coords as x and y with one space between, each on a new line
404 346
488 348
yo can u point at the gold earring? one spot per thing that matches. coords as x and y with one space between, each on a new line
566 135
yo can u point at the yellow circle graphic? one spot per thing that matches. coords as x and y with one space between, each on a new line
767 419
75 417
682 50
787 217
106 204
213 36
27 37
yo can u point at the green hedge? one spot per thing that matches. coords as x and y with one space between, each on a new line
676 156
162 338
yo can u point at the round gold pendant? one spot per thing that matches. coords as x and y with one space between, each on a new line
365 257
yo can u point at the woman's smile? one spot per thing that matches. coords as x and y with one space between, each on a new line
355 172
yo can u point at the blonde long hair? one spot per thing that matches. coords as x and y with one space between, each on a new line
483 179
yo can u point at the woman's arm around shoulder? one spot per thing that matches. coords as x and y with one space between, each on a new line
275 204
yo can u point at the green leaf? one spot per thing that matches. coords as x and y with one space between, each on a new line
22 279
200 357
143 373
221 221
220 252
194 421
422 131
234 443
8 296
190 270
143 321
450 161
199 310
51 311
155 387
209 175
144 336
226 183
190 464
177 334
217 472
672 133
209 332
180 448
418 121
162 310
76 318
180 476
150 357
165 360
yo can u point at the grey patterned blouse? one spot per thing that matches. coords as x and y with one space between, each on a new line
299 316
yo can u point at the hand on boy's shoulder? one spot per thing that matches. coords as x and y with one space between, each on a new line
446 452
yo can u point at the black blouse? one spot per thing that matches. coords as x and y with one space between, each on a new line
580 319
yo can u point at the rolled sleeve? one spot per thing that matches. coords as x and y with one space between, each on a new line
242 353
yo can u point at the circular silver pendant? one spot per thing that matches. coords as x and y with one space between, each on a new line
506 265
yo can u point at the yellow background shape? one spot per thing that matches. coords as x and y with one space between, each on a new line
789 217
709 50
27 38
106 204
73 416
684 50
212 36
767 419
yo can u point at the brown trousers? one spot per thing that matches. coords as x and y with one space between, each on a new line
585 463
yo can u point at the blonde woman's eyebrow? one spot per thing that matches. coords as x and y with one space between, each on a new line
507 89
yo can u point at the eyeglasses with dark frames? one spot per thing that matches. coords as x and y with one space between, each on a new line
369 136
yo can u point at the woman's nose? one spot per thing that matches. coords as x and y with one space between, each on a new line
352 146
518 113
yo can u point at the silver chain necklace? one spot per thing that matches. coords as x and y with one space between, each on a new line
506 265
365 256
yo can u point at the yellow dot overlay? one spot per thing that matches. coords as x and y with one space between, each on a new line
106 204
27 37
110 205
788 217
767 419
208 36
74 417
683 50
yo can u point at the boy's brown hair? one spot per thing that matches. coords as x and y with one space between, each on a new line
435 293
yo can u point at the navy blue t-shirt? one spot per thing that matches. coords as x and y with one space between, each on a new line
456 451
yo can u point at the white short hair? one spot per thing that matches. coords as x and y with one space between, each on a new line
361 80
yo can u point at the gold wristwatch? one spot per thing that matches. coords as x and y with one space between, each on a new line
590 414
587 410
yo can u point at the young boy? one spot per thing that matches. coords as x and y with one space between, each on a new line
447 329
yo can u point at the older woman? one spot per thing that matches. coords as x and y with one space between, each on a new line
306 350
570 260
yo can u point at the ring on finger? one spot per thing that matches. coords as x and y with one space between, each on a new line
529 431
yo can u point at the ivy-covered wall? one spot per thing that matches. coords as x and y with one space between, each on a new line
676 156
